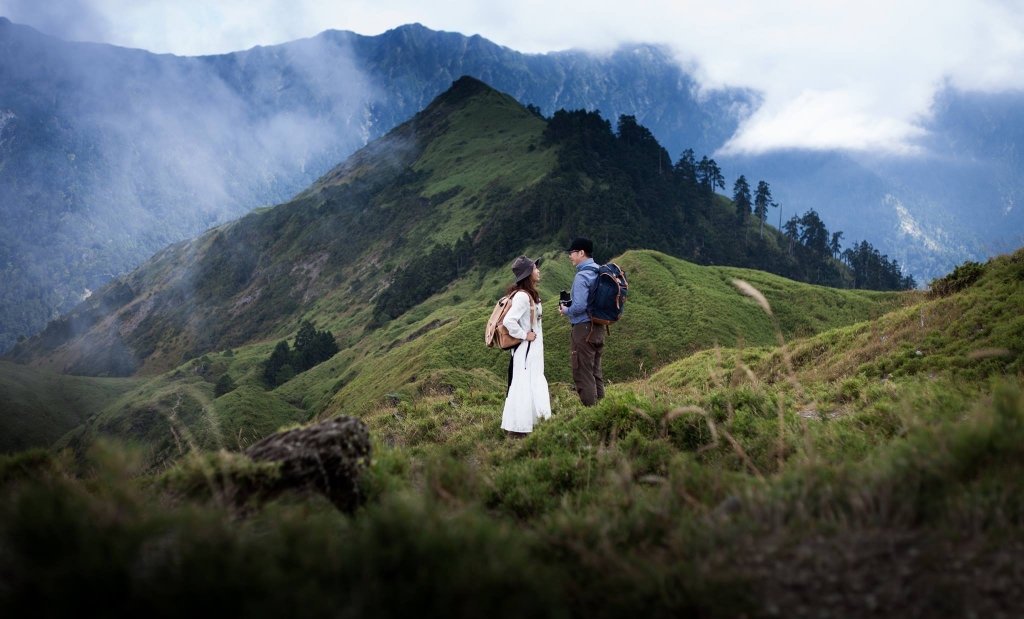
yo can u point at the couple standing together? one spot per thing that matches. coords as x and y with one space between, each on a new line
528 400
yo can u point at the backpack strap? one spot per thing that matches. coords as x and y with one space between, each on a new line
532 306
533 309
607 330
596 269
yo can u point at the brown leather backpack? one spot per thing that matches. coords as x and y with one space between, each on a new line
496 334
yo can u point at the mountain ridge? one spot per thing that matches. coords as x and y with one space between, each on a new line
113 190
444 195
153 175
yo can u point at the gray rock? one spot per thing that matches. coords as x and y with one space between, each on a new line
328 457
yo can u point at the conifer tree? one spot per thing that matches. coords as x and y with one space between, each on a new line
281 357
875 271
741 199
716 175
304 353
792 231
326 346
762 200
688 191
813 233
833 245
312 347
709 175
686 167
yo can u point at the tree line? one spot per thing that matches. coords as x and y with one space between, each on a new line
621 188
311 348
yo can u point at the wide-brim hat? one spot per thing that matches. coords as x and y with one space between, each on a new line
523 267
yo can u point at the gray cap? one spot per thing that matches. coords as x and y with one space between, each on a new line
523 267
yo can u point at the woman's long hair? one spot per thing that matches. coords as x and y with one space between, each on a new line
527 285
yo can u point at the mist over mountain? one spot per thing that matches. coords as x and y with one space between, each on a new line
109 154
444 199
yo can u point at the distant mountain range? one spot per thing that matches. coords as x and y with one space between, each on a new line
107 155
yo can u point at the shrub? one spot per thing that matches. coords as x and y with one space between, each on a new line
962 276
224 385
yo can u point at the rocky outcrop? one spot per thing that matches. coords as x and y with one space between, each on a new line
327 457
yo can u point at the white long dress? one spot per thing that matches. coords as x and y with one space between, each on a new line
528 400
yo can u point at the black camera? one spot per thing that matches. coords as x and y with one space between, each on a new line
564 298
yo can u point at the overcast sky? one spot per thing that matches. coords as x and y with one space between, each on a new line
834 73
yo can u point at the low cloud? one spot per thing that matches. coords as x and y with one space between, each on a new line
858 76
72 20
817 120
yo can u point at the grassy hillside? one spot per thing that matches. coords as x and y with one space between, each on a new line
38 406
845 395
866 470
170 415
675 308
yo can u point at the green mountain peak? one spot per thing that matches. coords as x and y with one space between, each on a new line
463 88
470 110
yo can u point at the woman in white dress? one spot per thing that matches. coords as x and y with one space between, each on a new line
528 400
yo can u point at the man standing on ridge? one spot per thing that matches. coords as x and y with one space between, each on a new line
587 343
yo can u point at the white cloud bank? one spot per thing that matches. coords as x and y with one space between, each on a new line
834 74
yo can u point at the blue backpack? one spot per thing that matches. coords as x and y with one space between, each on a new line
608 296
